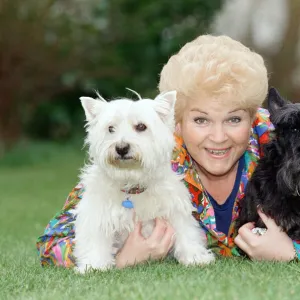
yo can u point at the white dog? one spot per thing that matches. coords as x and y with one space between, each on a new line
130 147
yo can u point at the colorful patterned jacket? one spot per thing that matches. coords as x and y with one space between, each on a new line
56 244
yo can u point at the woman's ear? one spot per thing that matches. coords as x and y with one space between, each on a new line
178 129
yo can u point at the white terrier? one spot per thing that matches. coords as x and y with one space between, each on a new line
130 147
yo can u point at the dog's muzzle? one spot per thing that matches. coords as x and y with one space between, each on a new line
122 150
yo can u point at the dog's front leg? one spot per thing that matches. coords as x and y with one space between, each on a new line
190 244
248 205
93 243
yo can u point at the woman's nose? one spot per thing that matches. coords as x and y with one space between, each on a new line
218 134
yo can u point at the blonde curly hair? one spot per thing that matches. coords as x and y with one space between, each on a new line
214 66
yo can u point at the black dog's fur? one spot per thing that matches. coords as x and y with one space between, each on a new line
275 183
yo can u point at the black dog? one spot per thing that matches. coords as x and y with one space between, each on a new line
275 183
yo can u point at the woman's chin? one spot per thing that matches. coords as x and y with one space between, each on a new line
216 167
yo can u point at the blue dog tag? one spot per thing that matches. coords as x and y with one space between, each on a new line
127 203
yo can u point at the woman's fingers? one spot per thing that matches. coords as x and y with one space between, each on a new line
269 222
241 244
158 232
168 238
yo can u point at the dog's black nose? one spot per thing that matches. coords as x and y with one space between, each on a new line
122 149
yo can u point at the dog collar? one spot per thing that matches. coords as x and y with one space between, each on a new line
127 203
135 190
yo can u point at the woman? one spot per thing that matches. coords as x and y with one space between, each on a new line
221 85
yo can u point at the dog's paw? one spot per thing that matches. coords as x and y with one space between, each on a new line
83 269
197 258
89 268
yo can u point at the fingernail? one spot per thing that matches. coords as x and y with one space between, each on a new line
258 207
173 236
136 219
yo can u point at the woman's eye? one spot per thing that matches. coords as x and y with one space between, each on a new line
201 121
111 129
234 120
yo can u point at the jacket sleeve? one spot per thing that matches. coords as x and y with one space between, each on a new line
297 248
55 246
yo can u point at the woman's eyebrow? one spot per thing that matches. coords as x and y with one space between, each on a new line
235 110
199 110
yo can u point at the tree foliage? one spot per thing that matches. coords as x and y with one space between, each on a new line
52 49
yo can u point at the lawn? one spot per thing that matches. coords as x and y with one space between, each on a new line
34 184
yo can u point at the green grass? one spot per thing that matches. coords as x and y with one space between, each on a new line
33 190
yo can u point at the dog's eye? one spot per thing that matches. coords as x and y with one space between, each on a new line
140 127
295 130
111 129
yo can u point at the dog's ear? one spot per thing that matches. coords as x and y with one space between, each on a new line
164 105
91 107
275 101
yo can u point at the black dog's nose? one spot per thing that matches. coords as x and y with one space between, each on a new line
122 149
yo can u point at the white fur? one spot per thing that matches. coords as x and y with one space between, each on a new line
102 222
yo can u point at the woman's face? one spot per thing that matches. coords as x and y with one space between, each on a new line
215 133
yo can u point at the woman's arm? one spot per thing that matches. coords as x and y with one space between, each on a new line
297 248
274 245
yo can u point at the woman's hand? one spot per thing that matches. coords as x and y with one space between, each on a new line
273 245
137 249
